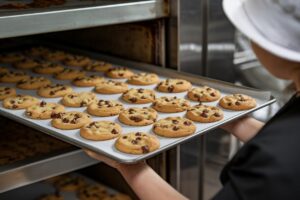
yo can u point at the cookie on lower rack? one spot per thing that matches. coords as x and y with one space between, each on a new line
92 192
19 102
3 70
174 85
53 91
48 68
111 87
205 114
11 57
76 61
143 79
174 127
204 94
55 55
118 196
139 96
7 92
43 110
100 130
98 66
13 77
105 108
70 120
88 81
170 104
69 74
70 183
237 102
80 99
37 51
138 116
52 197
137 143
119 72
33 83
26 63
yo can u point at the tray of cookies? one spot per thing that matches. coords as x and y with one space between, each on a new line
127 113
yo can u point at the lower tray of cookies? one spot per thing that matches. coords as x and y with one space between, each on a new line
65 187
124 113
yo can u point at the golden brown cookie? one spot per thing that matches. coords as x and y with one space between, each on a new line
237 102
53 91
137 143
105 108
138 116
13 77
119 72
7 92
139 96
92 192
52 197
204 114
98 66
48 68
69 74
3 70
118 196
143 79
37 51
76 61
55 55
204 94
26 63
111 87
88 81
70 120
33 83
11 57
43 110
80 99
101 130
171 104
19 102
174 85
174 127
70 184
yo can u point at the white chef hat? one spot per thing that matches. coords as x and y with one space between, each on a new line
272 24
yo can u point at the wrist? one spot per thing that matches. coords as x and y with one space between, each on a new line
126 168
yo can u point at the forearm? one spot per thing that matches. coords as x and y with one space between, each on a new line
147 184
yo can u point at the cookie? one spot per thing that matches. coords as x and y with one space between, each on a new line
55 55
76 61
53 91
88 81
105 108
111 87
173 127
7 92
33 83
52 197
13 77
48 68
119 72
139 96
204 94
98 66
100 130
26 63
11 57
174 85
137 143
237 102
3 70
80 99
70 184
92 192
19 102
143 79
43 110
118 196
138 116
204 114
170 104
37 51
69 74
70 120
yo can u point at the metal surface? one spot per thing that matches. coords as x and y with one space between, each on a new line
19 23
31 171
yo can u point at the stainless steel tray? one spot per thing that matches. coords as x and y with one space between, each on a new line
263 99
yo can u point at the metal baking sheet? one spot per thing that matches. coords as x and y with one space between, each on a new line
263 99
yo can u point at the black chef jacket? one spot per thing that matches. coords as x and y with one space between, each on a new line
268 166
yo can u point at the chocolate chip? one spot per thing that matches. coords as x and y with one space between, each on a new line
28 113
131 111
43 103
52 93
237 103
138 134
124 137
174 121
145 149
170 88
179 83
229 104
65 120
138 138
204 115
56 115
114 131
134 142
217 115
141 90
136 118
176 128
121 74
133 99
197 96
187 123
206 111
212 94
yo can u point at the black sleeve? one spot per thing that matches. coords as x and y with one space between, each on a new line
227 193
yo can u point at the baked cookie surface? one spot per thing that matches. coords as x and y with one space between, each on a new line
138 116
19 102
88 81
43 110
3 70
98 66
100 130
70 120
92 192
139 96
69 74
237 102
170 104
55 55
48 68
174 127
11 57
204 94
105 108
54 91
13 77
118 196
70 183
111 87
76 61
174 86
37 51
205 114
7 92
137 143
119 72
143 79
26 63
52 197
80 99
33 83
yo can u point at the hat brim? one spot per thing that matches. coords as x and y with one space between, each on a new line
236 14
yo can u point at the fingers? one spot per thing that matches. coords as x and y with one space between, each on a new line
102 158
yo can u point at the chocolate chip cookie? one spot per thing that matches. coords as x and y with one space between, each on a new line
204 114
204 94
43 110
88 81
174 127
139 96
143 79
55 55
92 192
98 66
105 108
48 68
26 63
118 196
76 61
53 91
174 86
19 102
33 83
237 102
70 120
138 116
111 87
119 72
11 57
70 183
3 70
80 99
37 51
171 104
7 92
69 74
13 77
